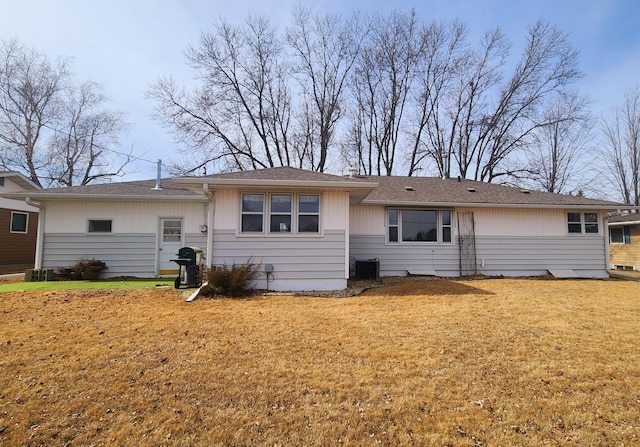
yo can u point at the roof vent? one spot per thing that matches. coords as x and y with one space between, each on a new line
525 191
409 188
471 189
352 172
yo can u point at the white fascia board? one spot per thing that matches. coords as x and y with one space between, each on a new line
621 224
110 198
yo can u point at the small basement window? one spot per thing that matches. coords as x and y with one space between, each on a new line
100 225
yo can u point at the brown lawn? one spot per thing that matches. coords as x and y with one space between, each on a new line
491 362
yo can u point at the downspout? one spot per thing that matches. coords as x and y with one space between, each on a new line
210 218
40 235
607 252
347 233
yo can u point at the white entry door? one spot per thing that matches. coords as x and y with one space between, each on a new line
171 240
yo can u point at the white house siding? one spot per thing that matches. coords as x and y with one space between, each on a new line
131 249
510 242
299 262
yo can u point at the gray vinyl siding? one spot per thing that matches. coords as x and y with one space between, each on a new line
299 262
535 255
508 256
397 259
125 254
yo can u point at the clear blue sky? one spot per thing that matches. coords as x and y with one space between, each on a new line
127 44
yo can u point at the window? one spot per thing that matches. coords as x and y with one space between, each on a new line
171 230
280 216
100 225
620 235
578 223
419 225
308 213
393 225
283 213
19 222
252 213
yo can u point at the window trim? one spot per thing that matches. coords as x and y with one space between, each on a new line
26 222
99 220
267 213
439 226
584 223
626 234
252 213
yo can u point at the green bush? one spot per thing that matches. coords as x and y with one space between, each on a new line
234 281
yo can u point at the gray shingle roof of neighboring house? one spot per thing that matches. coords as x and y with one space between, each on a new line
625 219
20 179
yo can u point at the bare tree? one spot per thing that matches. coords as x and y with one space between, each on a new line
558 148
30 86
51 132
80 152
485 122
325 49
383 76
621 148
241 113
445 61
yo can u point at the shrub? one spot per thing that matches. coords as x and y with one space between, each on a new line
234 281
82 269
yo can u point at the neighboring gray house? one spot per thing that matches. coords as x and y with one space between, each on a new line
310 227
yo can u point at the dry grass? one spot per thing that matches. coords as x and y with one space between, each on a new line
422 362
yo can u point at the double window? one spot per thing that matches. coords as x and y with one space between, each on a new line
19 222
409 225
280 213
579 223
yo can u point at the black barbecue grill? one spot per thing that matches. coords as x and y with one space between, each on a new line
190 262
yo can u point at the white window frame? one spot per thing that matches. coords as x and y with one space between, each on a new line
439 227
626 234
99 220
26 222
267 213
584 224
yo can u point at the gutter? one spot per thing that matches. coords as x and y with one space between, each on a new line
40 235
582 206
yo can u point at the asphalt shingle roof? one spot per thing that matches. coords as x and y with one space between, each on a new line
425 190
408 191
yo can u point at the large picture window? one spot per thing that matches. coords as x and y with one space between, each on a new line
409 225
579 223
280 213
19 222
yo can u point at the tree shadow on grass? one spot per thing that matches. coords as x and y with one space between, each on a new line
419 287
